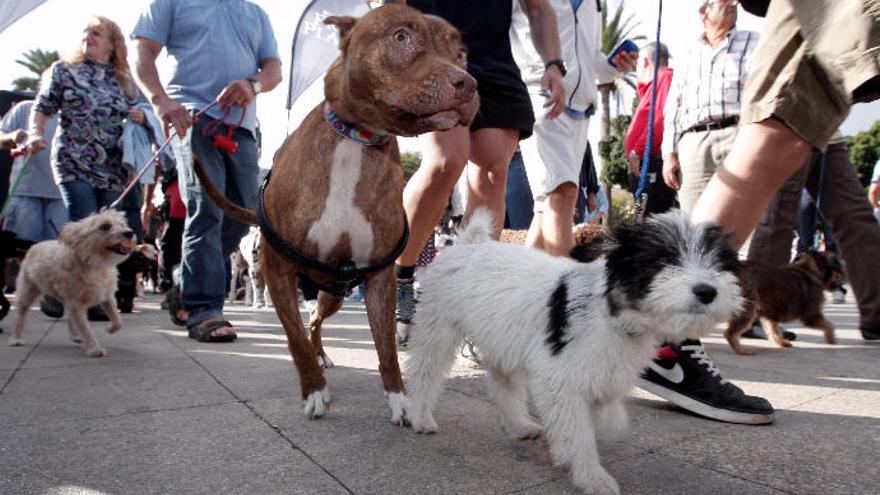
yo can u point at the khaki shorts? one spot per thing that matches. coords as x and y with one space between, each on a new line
815 59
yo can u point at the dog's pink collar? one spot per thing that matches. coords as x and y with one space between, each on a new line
352 131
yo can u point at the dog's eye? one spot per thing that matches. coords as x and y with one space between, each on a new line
105 227
401 35
462 57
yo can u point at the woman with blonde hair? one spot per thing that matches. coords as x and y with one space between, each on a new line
94 94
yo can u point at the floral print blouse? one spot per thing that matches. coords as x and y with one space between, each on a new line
93 108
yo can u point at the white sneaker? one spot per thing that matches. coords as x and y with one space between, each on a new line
838 296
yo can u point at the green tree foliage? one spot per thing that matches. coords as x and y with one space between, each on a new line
36 61
864 151
611 150
411 162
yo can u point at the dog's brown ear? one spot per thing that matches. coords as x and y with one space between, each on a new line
345 24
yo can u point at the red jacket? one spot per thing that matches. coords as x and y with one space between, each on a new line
637 134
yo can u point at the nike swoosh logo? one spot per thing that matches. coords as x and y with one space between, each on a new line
674 374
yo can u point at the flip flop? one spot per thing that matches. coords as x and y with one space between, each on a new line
202 331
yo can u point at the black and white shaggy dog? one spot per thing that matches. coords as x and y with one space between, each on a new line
574 335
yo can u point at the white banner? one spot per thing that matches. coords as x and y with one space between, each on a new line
13 10
315 44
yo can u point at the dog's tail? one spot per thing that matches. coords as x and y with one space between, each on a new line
479 228
243 215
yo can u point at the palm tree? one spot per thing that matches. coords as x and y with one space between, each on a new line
614 31
36 61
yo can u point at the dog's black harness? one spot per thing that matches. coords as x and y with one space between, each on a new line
346 276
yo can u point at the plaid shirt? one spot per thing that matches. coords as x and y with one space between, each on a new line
707 86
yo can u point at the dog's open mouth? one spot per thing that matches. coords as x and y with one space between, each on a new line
121 249
440 120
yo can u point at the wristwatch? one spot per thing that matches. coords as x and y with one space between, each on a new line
256 85
558 63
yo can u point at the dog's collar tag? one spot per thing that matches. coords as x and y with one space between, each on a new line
352 131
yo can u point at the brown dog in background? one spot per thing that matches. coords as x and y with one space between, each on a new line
338 201
781 294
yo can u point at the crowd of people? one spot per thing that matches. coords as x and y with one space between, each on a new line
742 122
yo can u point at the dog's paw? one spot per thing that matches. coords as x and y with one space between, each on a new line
317 403
96 351
527 431
14 342
114 328
325 362
398 404
424 423
598 482
745 351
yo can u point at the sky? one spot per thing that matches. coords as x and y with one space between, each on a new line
58 24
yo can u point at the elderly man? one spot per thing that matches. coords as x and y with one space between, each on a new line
703 107
701 116
660 196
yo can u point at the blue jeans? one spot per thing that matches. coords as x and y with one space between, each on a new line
83 199
209 237
518 195
35 219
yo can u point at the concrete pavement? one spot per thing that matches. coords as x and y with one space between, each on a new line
164 414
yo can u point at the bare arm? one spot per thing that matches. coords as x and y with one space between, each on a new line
240 92
874 194
36 128
545 37
147 76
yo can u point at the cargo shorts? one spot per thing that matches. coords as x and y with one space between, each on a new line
815 59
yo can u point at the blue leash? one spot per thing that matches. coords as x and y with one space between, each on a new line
646 159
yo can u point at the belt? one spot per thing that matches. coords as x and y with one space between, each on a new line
714 126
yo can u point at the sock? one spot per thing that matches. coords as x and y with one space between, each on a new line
404 274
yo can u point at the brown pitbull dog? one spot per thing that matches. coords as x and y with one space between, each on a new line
338 200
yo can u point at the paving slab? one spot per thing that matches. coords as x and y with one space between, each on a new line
165 414
213 449
106 388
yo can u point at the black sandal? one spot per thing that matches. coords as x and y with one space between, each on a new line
202 331
175 306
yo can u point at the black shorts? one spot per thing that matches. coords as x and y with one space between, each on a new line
504 104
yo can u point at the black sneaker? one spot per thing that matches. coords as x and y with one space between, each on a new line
871 333
685 376
96 313
52 307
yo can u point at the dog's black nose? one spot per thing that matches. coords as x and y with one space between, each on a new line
128 234
705 293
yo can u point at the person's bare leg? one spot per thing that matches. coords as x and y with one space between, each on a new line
534 237
557 221
491 151
764 155
427 192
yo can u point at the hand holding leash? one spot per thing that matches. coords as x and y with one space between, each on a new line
238 93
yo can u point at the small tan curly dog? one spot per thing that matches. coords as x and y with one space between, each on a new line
79 269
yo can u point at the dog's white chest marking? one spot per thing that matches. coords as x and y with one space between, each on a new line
340 213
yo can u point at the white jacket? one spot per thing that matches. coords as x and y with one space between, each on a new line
580 35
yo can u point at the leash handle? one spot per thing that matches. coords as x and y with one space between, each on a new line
646 159
154 159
